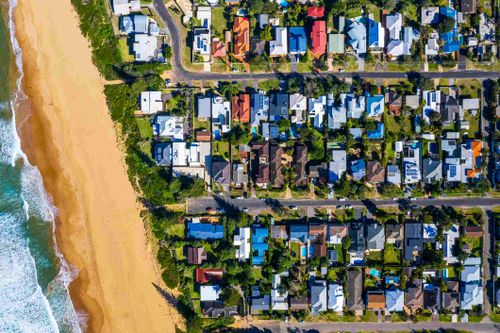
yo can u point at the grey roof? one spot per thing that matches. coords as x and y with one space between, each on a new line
433 170
221 171
375 236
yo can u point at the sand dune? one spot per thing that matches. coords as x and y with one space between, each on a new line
69 135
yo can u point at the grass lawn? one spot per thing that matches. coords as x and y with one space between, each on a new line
392 255
219 22
220 148
145 128
176 230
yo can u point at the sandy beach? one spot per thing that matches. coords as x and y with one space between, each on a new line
68 134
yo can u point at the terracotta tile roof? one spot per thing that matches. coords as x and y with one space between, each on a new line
241 108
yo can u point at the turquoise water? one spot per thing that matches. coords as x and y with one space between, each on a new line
33 274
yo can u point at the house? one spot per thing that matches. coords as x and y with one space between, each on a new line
413 242
468 6
278 108
204 107
317 110
356 35
297 40
377 133
266 164
375 172
375 300
124 7
298 106
429 15
433 170
240 175
394 299
259 244
317 238
355 291
450 110
336 232
259 302
358 169
205 231
394 102
355 106
219 49
278 47
196 255
259 109
394 234
169 126
221 172
241 108
205 275
336 300
375 237
144 47
242 243
299 163
318 296
217 309
337 166
318 37
376 36
241 37
279 232
337 114
336 43
279 295
151 102
210 293
394 25
393 174
414 295
375 106
221 116
411 162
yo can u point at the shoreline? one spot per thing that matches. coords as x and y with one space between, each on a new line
67 133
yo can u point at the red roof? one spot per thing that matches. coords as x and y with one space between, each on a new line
204 275
318 37
241 108
316 12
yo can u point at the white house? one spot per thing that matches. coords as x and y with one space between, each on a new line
151 102
279 45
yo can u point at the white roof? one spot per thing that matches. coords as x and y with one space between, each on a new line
209 293
151 101
279 46
144 47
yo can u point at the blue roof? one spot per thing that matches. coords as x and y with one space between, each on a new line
377 133
298 39
205 231
299 232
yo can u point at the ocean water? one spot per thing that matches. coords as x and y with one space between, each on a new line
34 277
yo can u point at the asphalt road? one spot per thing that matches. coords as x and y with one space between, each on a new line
255 206
374 327
183 75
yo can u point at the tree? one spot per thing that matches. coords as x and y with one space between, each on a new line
265 33
445 24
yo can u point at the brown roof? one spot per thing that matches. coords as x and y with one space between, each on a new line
196 255
300 161
375 172
473 231
414 296
376 300
241 108
241 36
203 136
